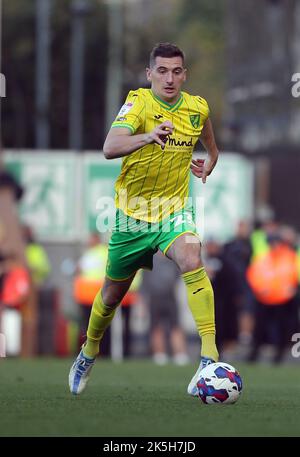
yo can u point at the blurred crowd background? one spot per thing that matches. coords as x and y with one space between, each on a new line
67 66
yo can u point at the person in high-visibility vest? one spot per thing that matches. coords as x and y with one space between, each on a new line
273 277
259 237
37 258
90 278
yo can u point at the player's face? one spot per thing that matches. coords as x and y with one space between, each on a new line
167 77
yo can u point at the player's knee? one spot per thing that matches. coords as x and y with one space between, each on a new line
111 300
190 264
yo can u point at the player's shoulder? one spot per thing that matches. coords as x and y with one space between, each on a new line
196 99
140 94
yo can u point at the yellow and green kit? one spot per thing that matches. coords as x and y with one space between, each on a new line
152 188
152 209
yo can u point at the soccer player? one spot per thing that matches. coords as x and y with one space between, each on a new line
155 133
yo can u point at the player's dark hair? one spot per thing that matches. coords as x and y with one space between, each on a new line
165 50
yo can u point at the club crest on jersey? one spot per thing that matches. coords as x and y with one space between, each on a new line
195 120
125 109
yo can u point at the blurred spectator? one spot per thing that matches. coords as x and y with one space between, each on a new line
36 257
158 290
238 254
88 280
11 247
15 285
273 277
259 236
15 282
8 181
3 269
220 273
289 235
45 302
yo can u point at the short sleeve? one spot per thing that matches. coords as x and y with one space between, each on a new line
131 114
204 108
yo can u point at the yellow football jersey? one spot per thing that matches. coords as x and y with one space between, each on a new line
153 182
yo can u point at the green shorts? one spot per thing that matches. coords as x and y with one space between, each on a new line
134 242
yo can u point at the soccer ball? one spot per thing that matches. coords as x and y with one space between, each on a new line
219 383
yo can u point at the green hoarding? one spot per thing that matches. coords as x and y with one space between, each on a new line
69 195
99 176
50 182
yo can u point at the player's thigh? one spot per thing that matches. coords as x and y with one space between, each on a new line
127 253
180 242
185 248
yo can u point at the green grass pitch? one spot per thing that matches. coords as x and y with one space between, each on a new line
137 398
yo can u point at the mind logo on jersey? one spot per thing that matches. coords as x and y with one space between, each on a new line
195 120
178 142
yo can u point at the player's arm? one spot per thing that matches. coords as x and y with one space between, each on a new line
203 168
120 142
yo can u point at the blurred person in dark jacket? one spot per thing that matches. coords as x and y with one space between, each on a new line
220 273
238 253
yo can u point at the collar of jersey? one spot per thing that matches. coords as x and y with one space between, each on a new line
167 105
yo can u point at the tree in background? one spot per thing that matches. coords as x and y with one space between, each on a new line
18 65
196 26
201 34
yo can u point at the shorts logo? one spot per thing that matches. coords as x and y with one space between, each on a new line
125 109
195 120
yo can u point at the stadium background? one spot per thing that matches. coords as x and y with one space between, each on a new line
68 66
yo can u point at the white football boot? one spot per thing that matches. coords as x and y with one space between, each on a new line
80 373
192 387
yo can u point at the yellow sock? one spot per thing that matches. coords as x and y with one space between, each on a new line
100 318
201 302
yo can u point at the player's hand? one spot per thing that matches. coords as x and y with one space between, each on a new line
160 134
202 168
